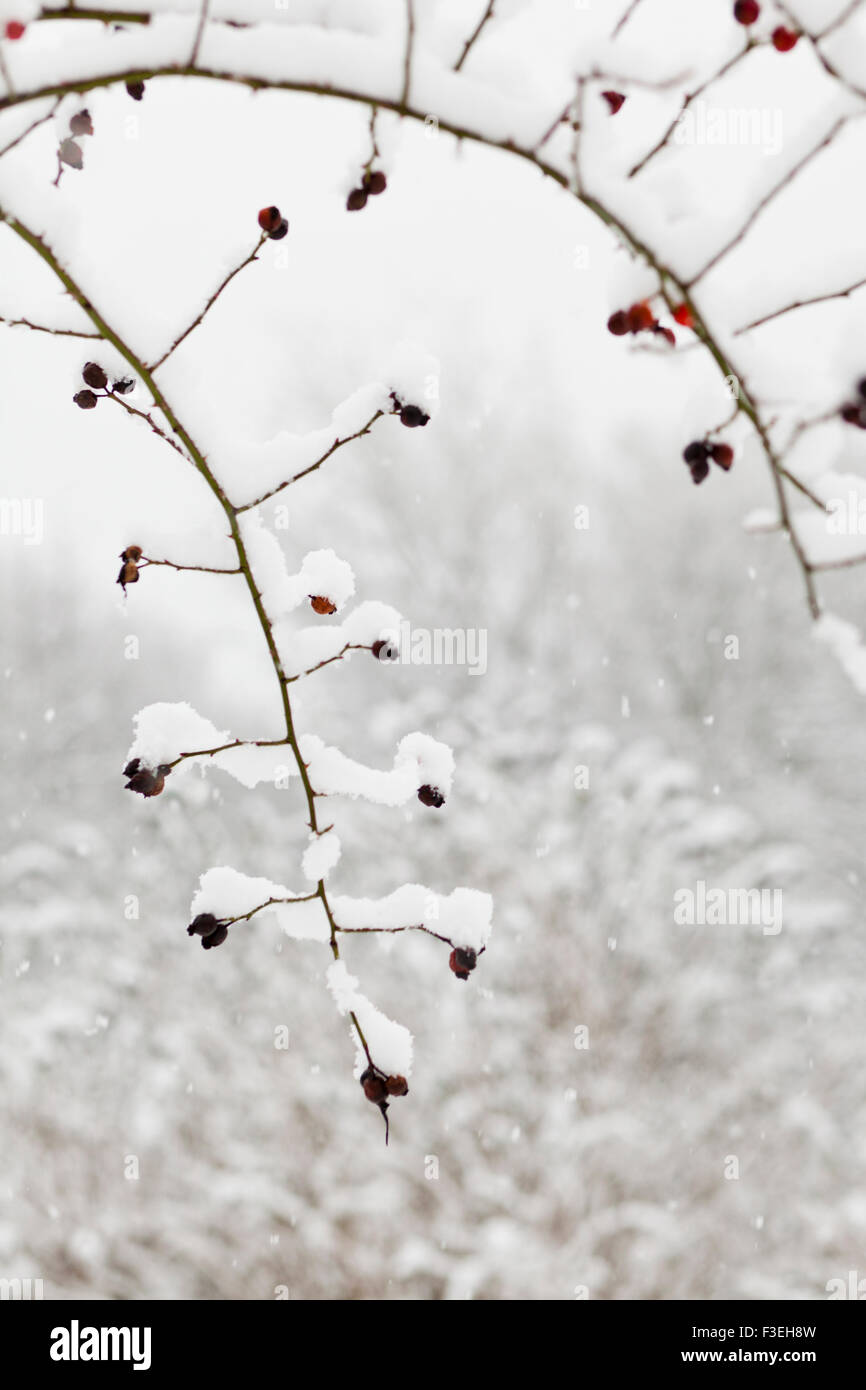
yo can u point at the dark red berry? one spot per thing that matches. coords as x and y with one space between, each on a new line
397 1086
375 182
94 376
71 153
861 387
14 29
412 416
618 323
699 471
696 452
202 925
282 230
85 400
384 650
81 124
132 552
850 413
430 796
356 200
270 219
640 317
784 39
683 316
615 101
124 386
215 938
462 960
136 90
147 782
723 455
746 11
667 333
320 604
374 1086
132 767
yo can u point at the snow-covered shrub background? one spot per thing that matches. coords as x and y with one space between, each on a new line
157 1141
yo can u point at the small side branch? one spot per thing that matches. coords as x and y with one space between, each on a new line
253 256
475 35
311 468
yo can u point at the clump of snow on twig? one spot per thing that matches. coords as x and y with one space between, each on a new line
390 1043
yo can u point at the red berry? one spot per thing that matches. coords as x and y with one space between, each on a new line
667 333
412 416
746 11
282 230
322 605
618 324
397 1086
81 123
696 452
215 938
723 455
699 471
14 29
615 101
640 317
383 650
850 414
71 154
85 400
683 316
462 960
375 1088
430 796
784 39
375 182
356 200
135 90
269 219
94 376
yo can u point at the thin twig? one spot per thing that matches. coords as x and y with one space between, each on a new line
46 328
202 21
768 198
407 60
311 468
799 304
690 97
253 256
224 747
624 19
475 35
34 125
172 564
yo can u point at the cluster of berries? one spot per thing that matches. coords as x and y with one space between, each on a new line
129 569
854 412
70 152
638 319
96 378
147 781
212 932
699 453
372 184
747 12
271 220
